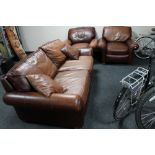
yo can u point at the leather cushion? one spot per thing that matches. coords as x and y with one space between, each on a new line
84 63
117 48
36 63
117 58
86 51
117 33
93 43
44 84
71 52
75 82
53 51
81 34
80 45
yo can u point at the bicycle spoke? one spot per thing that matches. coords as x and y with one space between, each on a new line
147 115
149 122
122 108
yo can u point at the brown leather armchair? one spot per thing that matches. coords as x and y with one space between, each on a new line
82 38
117 45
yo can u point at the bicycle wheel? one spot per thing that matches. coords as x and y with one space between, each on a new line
145 112
122 105
146 46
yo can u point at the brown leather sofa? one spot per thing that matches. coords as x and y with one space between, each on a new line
65 109
82 38
117 45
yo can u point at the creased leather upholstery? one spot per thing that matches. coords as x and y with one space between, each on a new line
81 34
132 45
44 84
102 43
81 64
65 109
83 38
117 48
116 44
36 63
80 45
68 42
75 82
93 43
36 100
53 51
86 51
117 33
71 52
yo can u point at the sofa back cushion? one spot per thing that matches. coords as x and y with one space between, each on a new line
36 63
53 51
81 34
117 33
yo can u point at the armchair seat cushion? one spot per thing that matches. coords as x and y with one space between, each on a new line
80 45
75 82
84 63
117 48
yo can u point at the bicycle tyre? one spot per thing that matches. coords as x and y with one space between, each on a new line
117 114
144 107
140 53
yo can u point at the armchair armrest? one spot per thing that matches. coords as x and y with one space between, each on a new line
68 42
93 43
86 51
34 99
132 45
102 43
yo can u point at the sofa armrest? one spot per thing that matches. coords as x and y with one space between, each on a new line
93 43
86 51
7 86
34 99
102 43
132 45
67 41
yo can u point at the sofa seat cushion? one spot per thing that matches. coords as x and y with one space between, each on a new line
80 45
36 63
84 63
75 82
117 48
53 51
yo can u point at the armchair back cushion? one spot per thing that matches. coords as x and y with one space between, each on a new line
81 34
36 63
117 33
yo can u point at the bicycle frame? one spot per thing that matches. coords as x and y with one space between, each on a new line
149 73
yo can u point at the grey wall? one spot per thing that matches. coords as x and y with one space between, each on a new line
34 36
